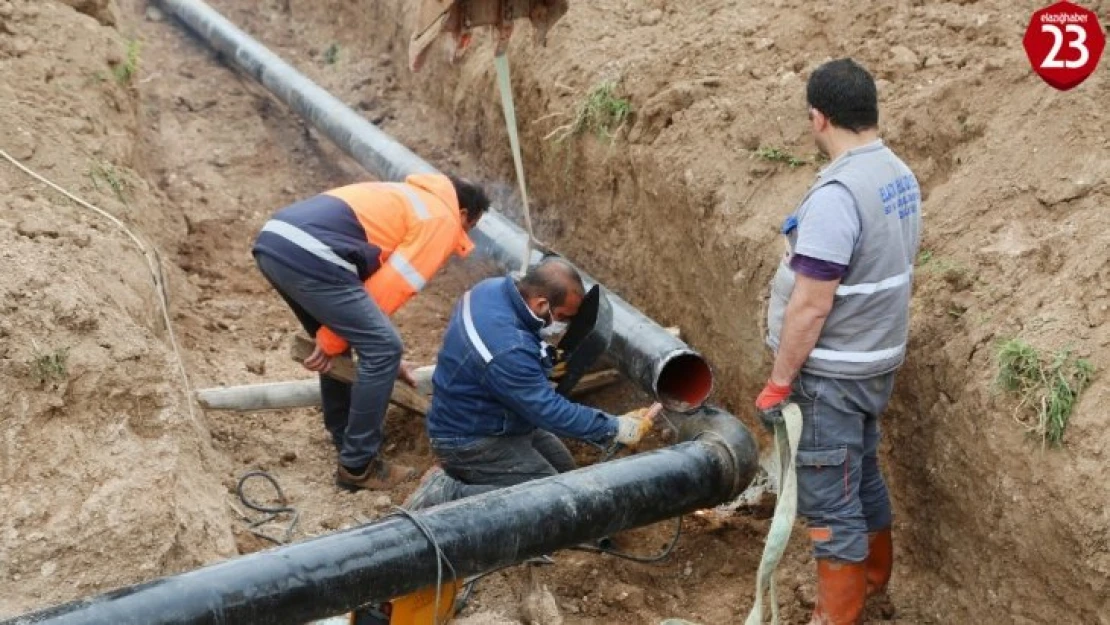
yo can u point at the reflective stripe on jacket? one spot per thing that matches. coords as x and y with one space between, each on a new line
393 237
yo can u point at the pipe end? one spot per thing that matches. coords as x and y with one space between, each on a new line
685 382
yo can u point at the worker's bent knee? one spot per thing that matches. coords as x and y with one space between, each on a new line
385 347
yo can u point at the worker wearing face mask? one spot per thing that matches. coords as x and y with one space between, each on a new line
495 419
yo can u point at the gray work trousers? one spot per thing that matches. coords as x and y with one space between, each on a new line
353 414
841 491
498 461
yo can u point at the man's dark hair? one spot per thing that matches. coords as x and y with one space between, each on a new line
471 197
845 93
552 278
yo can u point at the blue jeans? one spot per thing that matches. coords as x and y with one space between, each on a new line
495 462
841 491
353 414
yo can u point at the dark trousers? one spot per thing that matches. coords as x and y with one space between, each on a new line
498 461
841 491
353 414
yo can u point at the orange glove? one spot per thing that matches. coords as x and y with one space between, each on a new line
770 402
772 395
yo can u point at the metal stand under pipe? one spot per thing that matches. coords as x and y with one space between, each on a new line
391 557
657 361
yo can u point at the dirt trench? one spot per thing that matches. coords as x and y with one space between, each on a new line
989 527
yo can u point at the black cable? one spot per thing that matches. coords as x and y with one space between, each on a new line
659 557
271 511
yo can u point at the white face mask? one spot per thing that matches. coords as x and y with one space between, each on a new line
555 328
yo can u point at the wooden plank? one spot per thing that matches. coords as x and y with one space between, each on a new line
343 368
595 382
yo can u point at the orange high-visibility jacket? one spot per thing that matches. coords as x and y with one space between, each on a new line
391 236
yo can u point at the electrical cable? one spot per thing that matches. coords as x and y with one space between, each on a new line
652 559
271 511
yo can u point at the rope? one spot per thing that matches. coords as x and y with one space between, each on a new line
272 511
787 435
504 84
441 558
153 264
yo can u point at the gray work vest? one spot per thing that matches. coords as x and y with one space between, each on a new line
865 333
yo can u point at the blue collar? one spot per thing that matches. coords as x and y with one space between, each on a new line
529 319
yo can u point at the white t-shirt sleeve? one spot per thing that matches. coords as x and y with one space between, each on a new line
828 225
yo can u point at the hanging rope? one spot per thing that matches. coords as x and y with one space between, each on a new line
787 436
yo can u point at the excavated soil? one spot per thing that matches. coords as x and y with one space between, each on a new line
109 479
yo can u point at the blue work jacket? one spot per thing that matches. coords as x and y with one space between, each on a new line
491 376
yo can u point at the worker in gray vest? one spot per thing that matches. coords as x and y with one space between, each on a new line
838 321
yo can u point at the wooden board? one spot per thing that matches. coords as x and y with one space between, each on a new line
343 369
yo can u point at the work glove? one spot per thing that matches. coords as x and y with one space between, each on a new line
632 426
772 399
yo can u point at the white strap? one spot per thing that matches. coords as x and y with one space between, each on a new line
787 436
504 84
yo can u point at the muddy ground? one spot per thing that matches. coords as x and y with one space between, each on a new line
108 479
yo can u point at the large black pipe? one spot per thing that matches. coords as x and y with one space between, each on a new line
336 573
657 361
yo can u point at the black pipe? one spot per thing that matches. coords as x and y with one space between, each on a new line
659 363
336 573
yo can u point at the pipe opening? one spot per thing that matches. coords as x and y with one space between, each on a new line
684 382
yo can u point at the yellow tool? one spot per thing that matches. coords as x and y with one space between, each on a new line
417 608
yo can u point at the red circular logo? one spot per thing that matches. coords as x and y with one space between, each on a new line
1064 42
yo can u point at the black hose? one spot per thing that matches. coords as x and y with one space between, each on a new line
271 511
652 559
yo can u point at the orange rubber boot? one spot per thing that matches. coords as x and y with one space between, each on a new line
841 592
880 561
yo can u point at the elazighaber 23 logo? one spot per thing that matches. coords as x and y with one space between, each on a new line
1064 42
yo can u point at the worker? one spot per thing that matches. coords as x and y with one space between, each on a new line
838 322
494 415
452 21
344 261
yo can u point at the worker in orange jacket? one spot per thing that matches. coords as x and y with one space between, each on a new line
344 261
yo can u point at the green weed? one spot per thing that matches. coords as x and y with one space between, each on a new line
952 271
50 367
601 112
107 174
779 155
125 72
1048 386
331 55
